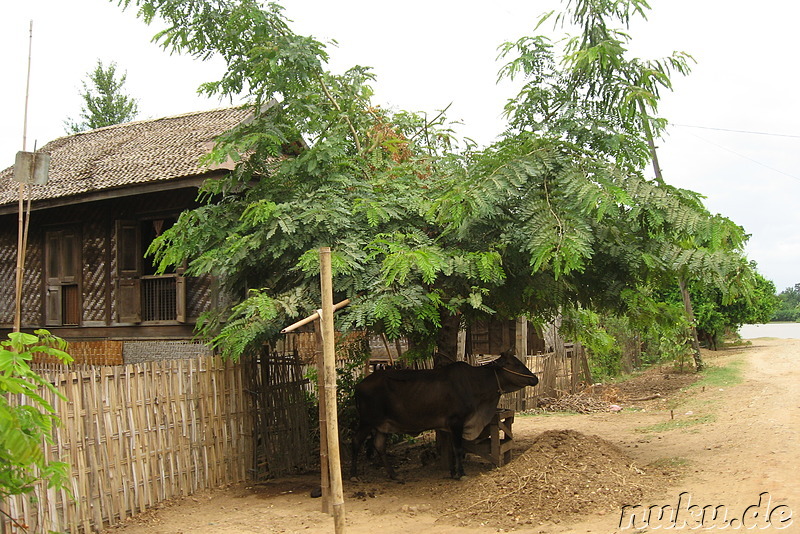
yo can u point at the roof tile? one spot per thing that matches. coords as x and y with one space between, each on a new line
127 154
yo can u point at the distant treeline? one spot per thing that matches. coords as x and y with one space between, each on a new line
789 308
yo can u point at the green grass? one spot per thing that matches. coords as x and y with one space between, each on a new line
679 423
675 462
542 413
722 376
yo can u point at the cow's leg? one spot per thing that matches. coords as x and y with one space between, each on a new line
457 458
355 446
379 441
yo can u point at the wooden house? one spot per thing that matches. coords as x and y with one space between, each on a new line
110 192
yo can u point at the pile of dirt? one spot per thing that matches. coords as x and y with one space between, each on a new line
562 474
662 381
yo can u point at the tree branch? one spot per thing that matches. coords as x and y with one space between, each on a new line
339 109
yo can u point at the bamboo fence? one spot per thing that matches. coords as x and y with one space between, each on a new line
560 372
137 435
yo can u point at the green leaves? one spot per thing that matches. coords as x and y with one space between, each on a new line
25 424
402 254
555 215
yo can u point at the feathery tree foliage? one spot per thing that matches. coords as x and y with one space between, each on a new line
556 215
597 97
104 102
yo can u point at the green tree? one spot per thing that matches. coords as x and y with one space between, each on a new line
25 426
555 215
104 102
718 313
789 305
597 97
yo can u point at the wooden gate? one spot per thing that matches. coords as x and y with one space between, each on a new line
282 440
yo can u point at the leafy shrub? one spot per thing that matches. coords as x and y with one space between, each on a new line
25 427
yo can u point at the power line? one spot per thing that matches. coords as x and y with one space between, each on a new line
747 157
735 131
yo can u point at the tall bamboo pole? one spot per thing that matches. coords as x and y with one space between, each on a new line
316 317
329 355
21 232
325 482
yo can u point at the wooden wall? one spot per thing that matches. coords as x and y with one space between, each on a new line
95 225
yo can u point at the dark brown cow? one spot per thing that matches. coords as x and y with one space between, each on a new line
458 398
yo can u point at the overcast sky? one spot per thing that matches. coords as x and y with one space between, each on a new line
430 54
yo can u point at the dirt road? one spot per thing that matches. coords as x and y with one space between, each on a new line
721 442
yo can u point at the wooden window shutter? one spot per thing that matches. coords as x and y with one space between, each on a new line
62 275
129 300
180 299
129 249
129 269
53 306
70 257
53 257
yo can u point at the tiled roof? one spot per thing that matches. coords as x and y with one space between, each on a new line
127 154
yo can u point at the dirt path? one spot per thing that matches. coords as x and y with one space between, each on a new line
718 445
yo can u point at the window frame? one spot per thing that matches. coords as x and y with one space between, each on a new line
130 276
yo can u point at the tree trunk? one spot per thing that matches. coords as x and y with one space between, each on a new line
447 338
687 301
687 305
651 143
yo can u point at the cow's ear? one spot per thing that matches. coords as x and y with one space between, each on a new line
501 360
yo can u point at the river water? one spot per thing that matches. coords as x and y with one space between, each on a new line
779 330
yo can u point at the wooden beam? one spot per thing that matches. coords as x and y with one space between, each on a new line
192 182
313 317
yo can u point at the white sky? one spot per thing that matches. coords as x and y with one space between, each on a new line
428 54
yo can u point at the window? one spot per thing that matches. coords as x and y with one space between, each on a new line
62 273
143 296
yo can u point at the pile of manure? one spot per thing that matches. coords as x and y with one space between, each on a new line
563 474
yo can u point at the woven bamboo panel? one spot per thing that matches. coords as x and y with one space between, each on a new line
8 266
113 272
137 435
304 344
96 352
32 284
95 267
199 295
102 352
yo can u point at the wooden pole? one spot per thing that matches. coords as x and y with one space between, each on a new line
521 352
316 317
329 355
20 239
388 351
313 317
325 482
